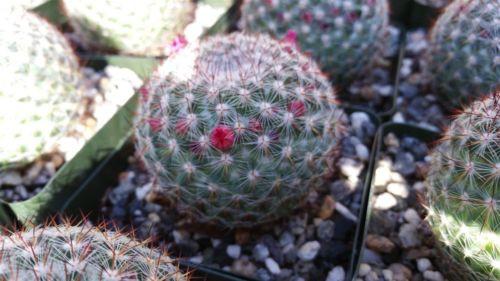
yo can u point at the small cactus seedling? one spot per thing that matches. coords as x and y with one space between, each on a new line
464 192
128 26
463 61
81 253
344 37
39 85
239 128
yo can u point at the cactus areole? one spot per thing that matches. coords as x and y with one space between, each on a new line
464 192
238 128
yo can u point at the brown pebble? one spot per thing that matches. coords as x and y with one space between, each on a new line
379 243
241 236
327 207
401 272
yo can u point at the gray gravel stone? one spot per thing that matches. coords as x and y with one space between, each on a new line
336 274
309 251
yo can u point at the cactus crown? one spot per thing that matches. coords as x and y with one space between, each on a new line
464 182
84 253
463 60
341 35
128 27
239 128
39 86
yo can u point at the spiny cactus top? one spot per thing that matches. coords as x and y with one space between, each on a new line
39 85
129 26
464 57
342 35
464 190
81 253
239 128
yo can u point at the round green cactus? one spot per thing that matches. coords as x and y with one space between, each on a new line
81 253
128 26
464 197
463 61
238 129
39 85
343 36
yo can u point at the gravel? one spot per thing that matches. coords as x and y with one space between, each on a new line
399 244
308 245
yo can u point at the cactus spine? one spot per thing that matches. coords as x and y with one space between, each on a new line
39 85
343 36
463 61
464 197
239 128
127 26
84 253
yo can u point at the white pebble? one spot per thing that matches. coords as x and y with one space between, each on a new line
433 276
398 189
388 275
385 201
272 266
336 274
424 264
309 250
234 251
364 269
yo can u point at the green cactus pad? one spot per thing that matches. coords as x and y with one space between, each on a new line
238 129
81 253
128 26
463 61
464 192
343 36
39 85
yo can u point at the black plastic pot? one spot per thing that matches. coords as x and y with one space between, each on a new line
400 129
412 14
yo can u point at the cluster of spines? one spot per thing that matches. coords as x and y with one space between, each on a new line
126 27
85 253
463 61
342 36
244 133
464 197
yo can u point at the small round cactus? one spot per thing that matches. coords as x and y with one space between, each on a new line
238 128
464 197
84 253
128 26
344 37
39 86
463 61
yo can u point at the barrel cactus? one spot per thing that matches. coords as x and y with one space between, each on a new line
463 61
464 197
39 85
238 129
127 26
85 253
343 36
